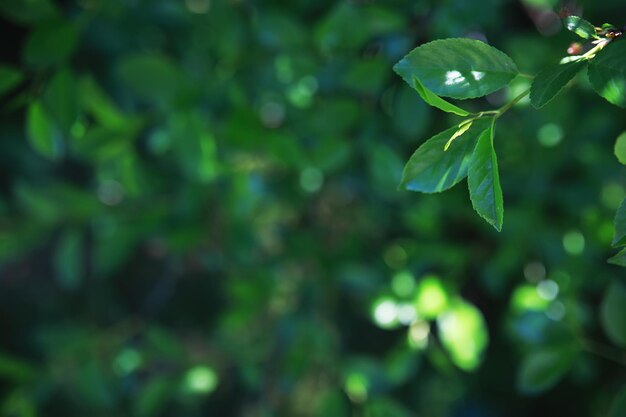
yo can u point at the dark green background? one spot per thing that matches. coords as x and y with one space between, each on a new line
207 188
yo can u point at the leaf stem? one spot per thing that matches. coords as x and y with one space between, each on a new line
511 103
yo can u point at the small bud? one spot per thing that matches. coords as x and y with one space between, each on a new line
575 48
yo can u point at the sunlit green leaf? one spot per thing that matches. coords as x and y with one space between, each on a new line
484 181
431 169
542 369
457 68
580 26
436 101
619 235
613 313
549 82
607 72
41 132
9 78
464 334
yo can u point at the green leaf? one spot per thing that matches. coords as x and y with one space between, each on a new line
620 148
152 76
463 333
42 133
436 101
431 169
580 26
613 313
542 369
61 99
607 73
68 260
618 259
484 181
28 12
462 128
9 78
619 232
98 104
618 407
457 68
549 82
50 44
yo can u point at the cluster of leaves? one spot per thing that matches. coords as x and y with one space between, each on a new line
198 215
464 69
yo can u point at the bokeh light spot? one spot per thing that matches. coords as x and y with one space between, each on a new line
201 380
311 179
403 284
550 135
574 242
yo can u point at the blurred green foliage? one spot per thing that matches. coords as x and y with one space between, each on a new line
199 216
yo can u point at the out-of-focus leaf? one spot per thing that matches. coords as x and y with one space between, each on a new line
153 396
68 259
542 369
436 101
431 169
464 334
50 44
9 78
619 233
42 133
152 76
28 12
385 407
613 313
483 180
620 148
61 99
549 82
195 147
607 72
15 369
580 26
411 115
618 406
457 68
97 103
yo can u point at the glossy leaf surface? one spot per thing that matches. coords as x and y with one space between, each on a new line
549 82
458 68
484 181
432 170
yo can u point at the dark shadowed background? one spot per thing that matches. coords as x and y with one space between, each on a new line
199 216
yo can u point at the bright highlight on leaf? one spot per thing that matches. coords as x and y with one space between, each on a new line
607 72
463 127
580 26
